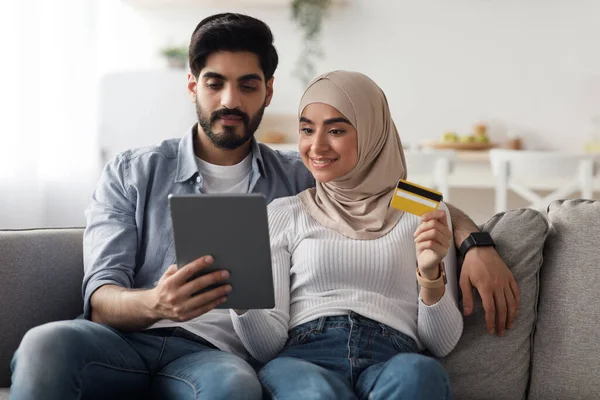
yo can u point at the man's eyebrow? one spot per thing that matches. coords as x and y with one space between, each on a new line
250 77
336 120
304 119
213 75
247 77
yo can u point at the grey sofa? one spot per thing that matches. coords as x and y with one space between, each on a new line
553 352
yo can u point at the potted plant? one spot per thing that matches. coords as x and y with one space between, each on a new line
176 56
309 16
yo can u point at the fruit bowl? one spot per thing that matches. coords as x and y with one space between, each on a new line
436 144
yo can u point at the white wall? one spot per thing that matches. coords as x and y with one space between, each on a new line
530 66
47 112
527 67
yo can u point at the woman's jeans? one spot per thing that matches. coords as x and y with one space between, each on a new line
80 359
350 357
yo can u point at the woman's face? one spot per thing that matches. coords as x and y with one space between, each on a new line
328 142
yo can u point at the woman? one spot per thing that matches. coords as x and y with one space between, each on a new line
350 318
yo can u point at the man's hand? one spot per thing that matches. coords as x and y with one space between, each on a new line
172 296
484 270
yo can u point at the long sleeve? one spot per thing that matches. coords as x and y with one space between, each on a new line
440 325
265 332
110 237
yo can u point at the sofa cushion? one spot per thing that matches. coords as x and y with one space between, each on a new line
41 272
566 361
484 366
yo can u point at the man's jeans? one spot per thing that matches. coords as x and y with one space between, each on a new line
350 357
80 359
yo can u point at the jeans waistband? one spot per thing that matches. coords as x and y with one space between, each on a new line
323 323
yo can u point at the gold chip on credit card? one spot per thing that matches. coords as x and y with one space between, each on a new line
415 199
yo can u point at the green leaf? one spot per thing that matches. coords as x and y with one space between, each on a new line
309 16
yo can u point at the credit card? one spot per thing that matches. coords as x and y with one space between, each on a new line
415 199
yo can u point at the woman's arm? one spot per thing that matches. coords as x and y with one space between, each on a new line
440 322
265 332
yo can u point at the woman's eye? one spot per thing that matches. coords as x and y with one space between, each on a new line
306 131
336 131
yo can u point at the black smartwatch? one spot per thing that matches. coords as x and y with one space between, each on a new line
476 239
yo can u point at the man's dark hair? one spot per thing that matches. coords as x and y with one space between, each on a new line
232 32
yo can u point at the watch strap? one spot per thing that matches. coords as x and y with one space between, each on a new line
472 241
433 283
466 245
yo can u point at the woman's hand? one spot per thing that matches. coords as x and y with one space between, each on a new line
432 240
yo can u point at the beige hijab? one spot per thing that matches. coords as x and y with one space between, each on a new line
357 204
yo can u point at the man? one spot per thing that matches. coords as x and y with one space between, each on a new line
144 334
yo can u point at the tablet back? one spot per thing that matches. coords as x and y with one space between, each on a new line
234 229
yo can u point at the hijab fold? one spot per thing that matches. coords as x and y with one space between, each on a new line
357 204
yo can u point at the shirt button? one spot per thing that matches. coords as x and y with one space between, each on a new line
198 179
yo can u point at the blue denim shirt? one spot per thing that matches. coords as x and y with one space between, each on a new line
128 240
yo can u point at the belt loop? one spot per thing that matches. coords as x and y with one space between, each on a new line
352 317
321 324
385 331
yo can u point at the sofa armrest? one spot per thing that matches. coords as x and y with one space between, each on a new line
41 271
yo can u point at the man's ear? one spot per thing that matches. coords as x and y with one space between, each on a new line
269 91
192 87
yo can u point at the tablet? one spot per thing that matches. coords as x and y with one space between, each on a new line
233 228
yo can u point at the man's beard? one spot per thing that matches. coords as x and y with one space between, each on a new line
228 139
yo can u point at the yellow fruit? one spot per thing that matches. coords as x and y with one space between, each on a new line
593 147
449 137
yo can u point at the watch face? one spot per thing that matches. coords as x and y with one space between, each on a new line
482 239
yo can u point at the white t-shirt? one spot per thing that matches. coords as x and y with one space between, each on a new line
226 179
216 326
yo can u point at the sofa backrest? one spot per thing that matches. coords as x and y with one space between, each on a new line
41 272
566 356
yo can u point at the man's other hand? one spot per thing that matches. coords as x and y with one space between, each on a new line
484 270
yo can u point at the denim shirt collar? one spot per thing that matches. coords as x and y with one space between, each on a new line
186 158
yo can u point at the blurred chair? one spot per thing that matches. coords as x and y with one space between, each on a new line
521 171
431 168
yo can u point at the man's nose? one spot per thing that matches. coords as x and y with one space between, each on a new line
230 98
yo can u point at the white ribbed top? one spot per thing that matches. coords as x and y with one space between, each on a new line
319 272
